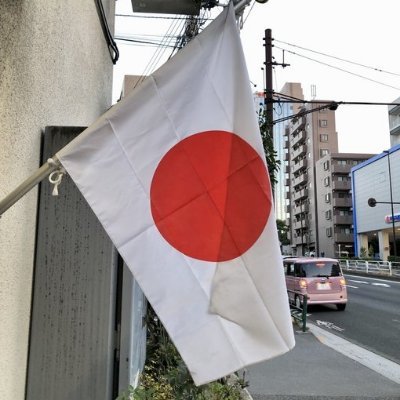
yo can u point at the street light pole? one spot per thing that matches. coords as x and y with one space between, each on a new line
392 208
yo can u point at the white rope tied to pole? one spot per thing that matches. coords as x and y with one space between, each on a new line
56 176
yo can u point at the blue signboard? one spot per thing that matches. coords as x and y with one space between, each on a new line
389 220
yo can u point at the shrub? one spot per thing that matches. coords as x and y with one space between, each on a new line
166 377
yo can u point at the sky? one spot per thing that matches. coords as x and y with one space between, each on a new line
361 31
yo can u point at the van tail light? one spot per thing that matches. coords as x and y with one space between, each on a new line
342 282
302 283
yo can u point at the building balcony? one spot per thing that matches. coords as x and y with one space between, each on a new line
301 194
339 202
341 185
342 219
300 151
301 179
299 124
300 137
298 240
340 169
286 157
300 224
300 165
344 238
300 209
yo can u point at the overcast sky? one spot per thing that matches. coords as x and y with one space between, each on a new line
361 31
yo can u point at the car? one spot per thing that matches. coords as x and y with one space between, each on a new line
319 279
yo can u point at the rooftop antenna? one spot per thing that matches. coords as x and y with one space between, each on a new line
313 91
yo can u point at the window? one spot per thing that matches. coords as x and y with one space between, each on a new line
323 137
326 181
328 214
329 232
323 123
328 198
341 162
326 166
290 269
345 230
345 212
323 152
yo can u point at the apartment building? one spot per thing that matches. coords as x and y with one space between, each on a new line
334 203
310 136
394 123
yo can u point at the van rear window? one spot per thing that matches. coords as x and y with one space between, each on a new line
317 269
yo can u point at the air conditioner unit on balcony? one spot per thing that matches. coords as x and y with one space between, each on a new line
186 7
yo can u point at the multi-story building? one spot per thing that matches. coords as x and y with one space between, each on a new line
311 135
282 111
334 203
394 123
377 228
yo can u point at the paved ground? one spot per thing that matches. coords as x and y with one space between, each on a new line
315 371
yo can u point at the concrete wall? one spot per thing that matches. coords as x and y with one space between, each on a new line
55 69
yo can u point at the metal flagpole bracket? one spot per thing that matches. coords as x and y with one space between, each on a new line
45 170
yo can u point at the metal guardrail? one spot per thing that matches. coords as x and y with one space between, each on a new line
299 313
385 268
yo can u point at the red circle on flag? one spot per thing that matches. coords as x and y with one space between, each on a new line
211 196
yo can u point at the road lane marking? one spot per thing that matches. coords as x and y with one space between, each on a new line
329 325
380 284
394 282
362 282
354 287
381 365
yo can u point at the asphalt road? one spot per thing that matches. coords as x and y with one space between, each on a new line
371 318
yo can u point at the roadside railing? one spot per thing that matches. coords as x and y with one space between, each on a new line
385 268
299 310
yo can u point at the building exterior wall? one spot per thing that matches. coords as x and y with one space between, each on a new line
371 179
334 203
394 123
55 69
310 137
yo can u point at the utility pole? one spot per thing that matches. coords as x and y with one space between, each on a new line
269 90
268 95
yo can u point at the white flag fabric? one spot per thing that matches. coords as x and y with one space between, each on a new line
176 174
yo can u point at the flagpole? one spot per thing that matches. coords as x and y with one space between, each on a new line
241 4
45 170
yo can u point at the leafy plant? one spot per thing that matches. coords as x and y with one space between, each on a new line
166 377
363 252
268 142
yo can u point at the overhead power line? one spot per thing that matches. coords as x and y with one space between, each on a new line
338 58
338 68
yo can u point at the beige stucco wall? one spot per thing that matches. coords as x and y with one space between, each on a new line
55 69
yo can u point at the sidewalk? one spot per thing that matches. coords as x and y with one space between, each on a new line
313 370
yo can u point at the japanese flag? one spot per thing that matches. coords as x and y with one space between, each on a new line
176 174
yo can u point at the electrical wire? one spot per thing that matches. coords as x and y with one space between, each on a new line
251 9
112 46
139 42
338 68
165 42
338 58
